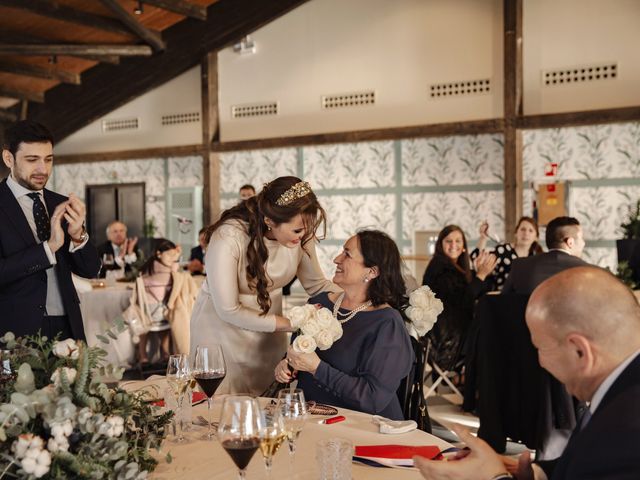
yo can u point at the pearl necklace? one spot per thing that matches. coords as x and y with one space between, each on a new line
349 315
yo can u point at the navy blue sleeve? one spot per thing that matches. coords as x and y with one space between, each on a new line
384 362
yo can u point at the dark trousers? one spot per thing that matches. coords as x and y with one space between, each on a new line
54 325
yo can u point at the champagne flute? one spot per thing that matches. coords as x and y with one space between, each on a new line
241 424
272 436
293 408
179 380
209 370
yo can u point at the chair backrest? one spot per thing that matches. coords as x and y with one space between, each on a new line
411 392
515 397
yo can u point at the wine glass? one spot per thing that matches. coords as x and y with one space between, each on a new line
209 370
241 424
293 408
179 380
272 436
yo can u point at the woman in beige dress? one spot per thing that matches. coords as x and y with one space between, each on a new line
255 249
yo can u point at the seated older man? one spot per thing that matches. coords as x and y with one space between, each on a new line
586 326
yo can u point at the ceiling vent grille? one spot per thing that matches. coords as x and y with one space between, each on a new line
456 89
584 73
180 118
120 124
346 100
254 110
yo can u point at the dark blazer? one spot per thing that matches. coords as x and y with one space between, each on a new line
607 447
23 265
529 272
197 254
107 248
458 299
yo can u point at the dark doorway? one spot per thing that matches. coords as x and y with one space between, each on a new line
120 201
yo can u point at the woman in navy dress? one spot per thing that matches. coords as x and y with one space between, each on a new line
363 369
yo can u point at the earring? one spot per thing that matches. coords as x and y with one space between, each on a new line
268 228
366 280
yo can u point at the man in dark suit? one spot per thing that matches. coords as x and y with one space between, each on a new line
196 259
585 324
565 243
42 241
119 249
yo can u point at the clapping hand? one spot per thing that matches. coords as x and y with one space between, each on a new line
75 214
128 247
484 264
484 229
56 239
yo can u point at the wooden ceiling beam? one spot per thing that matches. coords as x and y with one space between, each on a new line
77 49
149 36
10 37
57 11
21 94
105 88
575 119
181 7
40 72
7 116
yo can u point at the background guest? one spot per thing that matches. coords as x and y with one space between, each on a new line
356 372
565 242
170 297
196 259
246 191
450 277
119 248
525 244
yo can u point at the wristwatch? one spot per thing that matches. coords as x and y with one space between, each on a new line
83 237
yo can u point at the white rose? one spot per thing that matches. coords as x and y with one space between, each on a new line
325 318
310 327
66 348
304 344
297 316
324 339
70 373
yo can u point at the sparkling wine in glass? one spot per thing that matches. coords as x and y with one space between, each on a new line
293 408
272 436
179 380
241 425
209 370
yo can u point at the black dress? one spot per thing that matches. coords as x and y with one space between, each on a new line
363 369
458 298
505 254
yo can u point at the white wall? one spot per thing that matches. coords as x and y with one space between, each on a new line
561 34
180 95
395 48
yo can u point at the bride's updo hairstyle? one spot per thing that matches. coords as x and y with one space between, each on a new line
280 200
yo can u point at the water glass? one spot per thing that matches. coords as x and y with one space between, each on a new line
334 457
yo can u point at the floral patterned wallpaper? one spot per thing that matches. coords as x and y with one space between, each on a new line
416 184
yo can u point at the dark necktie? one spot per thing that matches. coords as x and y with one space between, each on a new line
41 217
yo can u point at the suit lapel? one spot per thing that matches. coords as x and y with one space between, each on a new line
14 212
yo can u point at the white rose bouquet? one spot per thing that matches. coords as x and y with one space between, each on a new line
317 328
423 310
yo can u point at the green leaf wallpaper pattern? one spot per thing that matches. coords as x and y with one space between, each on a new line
348 213
351 165
458 160
185 171
256 167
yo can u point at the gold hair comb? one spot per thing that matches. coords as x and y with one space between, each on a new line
299 190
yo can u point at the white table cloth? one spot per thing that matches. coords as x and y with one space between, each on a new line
202 459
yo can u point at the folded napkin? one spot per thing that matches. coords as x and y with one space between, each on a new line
196 398
394 426
394 455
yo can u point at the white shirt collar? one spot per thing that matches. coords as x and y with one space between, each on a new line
18 190
560 250
613 376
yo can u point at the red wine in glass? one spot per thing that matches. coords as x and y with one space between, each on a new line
209 369
209 381
241 450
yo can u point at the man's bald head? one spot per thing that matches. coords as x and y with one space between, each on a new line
590 301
